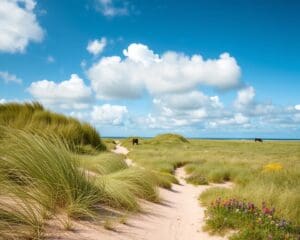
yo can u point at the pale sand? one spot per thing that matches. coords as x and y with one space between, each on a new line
178 217
123 150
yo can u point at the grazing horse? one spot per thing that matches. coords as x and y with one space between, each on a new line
135 141
258 140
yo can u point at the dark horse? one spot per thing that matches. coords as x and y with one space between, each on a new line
135 141
258 140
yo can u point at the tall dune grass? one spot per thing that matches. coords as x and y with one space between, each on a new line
43 178
103 163
122 188
34 118
48 165
21 214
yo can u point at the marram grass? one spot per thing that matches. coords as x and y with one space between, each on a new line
122 188
32 117
43 178
30 159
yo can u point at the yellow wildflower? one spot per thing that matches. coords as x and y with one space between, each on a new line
273 167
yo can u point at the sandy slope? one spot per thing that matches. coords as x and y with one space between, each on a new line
178 217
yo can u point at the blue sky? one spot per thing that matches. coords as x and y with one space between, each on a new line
200 68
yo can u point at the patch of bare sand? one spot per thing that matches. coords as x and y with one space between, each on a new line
120 149
123 150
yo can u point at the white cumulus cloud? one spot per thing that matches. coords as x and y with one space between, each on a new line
189 101
109 114
141 69
297 107
236 119
72 93
96 46
8 77
18 25
245 97
183 109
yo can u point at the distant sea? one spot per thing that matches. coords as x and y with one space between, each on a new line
235 139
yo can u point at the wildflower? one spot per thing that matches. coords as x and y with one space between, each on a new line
282 223
272 167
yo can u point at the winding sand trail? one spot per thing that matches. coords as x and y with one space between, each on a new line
179 216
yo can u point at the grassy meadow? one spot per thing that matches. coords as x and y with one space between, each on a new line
266 172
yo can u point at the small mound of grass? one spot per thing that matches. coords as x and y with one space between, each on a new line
168 138
122 188
104 163
164 180
197 179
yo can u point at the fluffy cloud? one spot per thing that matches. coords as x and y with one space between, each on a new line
183 110
8 77
18 24
189 101
109 114
72 93
113 78
2 101
236 119
245 97
111 8
96 46
161 122
297 107
141 69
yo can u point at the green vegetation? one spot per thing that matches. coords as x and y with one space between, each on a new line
122 188
168 138
251 221
51 166
47 173
266 171
32 117
156 157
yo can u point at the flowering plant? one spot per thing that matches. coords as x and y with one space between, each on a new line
251 221
273 167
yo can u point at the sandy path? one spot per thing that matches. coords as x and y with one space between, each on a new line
120 149
178 217
123 150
